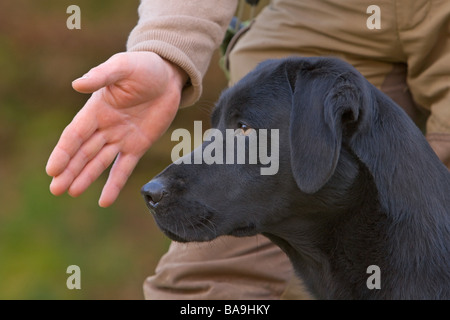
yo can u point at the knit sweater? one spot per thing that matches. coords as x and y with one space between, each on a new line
187 39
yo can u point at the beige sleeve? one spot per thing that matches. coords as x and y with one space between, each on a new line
185 33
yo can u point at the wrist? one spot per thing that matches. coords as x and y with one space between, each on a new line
179 76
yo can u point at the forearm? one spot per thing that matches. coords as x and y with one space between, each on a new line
185 33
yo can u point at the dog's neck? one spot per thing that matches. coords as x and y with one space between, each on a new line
332 248
318 243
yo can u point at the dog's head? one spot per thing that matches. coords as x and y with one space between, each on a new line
318 106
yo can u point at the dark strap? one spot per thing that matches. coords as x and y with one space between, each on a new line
252 2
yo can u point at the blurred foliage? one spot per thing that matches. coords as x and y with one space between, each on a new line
41 235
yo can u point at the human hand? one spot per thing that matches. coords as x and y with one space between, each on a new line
135 98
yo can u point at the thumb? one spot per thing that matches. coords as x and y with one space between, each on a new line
114 69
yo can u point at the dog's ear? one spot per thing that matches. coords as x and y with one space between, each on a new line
325 105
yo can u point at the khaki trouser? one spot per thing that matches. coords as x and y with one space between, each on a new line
408 59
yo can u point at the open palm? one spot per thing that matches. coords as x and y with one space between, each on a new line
135 99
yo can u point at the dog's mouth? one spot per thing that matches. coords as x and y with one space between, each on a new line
189 232
200 233
182 227
246 231
174 236
206 226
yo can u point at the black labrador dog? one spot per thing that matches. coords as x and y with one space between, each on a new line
357 186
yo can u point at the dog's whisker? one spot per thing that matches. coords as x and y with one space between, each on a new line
193 228
213 230
214 227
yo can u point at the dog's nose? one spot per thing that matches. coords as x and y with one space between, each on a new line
153 192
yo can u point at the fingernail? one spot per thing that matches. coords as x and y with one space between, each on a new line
86 76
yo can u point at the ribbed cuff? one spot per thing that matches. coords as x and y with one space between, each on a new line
193 89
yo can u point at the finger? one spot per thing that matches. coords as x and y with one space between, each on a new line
88 151
93 170
114 69
74 135
118 176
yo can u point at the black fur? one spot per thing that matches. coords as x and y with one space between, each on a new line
358 184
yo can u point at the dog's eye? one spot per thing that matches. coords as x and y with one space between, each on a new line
244 129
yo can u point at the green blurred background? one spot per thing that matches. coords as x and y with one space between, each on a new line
40 234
